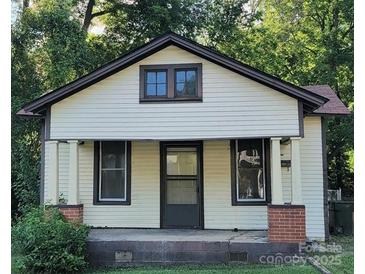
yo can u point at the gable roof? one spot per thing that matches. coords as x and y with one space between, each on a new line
311 101
334 106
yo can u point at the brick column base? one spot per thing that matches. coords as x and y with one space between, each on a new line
286 223
73 213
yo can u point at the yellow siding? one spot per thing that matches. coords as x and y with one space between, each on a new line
218 210
63 150
233 106
312 176
144 210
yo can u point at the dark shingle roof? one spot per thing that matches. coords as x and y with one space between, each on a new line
333 106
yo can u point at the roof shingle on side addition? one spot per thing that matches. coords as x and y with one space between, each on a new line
334 106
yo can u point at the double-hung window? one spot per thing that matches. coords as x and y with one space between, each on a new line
112 172
249 171
180 82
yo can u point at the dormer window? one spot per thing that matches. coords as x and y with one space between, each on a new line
164 83
156 83
186 83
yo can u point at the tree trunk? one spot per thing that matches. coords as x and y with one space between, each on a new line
25 4
88 15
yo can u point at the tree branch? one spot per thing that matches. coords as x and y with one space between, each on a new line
88 15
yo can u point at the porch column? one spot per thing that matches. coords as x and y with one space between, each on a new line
277 186
53 172
73 171
296 177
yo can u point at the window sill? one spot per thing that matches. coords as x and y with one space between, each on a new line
125 203
248 203
170 100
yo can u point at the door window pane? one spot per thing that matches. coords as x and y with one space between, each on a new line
250 169
181 161
181 192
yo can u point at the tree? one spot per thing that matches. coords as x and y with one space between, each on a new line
306 42
48 50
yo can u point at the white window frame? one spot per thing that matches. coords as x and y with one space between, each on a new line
121 168
263 175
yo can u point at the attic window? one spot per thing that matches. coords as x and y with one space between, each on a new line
155 83
164 83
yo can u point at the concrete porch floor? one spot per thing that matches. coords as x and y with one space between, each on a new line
121 247
249 236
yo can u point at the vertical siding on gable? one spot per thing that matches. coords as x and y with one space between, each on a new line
144 210
233 106
218 210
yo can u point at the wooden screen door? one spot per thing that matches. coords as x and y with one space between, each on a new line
181 185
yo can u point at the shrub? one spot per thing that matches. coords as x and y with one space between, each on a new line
43 241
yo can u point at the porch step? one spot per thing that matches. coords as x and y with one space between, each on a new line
119 251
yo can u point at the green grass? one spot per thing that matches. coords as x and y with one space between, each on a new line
211 269
346 266
346 258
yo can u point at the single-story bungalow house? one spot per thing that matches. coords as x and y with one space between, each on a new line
174 135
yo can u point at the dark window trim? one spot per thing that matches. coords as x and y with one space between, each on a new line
145 84
171 97
267 176
198 91
96 200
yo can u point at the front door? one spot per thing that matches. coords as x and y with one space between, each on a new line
181 185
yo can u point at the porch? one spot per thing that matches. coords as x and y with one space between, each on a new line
115 247
208 201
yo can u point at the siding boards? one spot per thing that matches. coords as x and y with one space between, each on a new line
144 210
218 210
63 156
233 106
312 176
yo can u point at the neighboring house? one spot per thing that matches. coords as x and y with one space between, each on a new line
176 135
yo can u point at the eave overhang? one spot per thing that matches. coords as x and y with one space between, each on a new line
311 101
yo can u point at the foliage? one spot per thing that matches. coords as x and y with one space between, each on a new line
48 50
44 242
304 42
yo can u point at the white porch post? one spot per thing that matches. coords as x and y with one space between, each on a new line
53 172
296 177
277 186
73 181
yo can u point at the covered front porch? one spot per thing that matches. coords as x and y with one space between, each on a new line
171 246
73 167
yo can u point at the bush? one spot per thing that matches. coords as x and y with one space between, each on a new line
43 241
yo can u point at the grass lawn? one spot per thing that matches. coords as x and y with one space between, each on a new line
212 269
346 258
